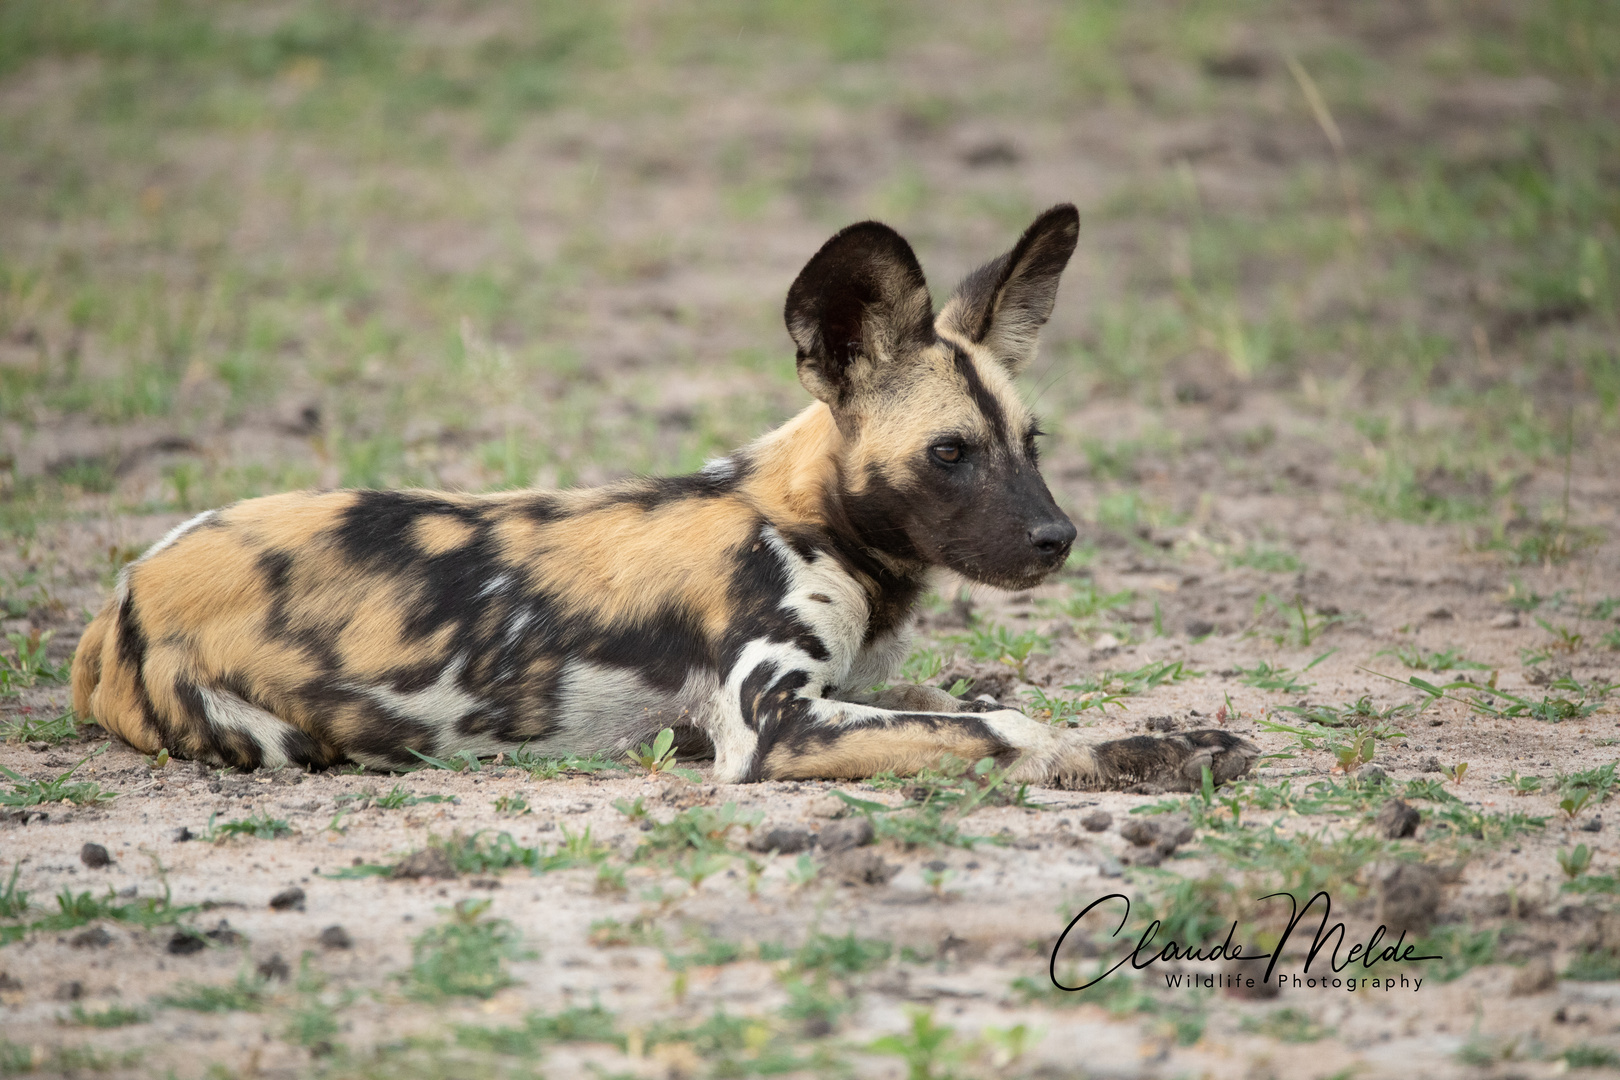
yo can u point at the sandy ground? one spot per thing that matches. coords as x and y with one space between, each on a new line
965 924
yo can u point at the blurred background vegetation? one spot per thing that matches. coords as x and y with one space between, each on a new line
247 246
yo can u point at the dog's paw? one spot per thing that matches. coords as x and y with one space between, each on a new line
1174 762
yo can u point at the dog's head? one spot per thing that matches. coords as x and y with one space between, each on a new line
939 463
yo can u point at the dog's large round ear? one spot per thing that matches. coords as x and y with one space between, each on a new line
1004 303
859 303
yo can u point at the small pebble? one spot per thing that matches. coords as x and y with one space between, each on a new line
94 856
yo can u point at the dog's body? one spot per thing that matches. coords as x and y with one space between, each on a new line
749 606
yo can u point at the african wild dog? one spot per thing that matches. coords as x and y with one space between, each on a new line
750 605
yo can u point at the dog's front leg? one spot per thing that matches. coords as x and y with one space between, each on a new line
807 737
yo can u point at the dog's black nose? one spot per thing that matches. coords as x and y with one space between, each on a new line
1052 538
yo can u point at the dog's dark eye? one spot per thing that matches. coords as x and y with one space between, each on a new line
949 453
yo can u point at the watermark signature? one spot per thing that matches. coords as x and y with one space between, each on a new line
1361 958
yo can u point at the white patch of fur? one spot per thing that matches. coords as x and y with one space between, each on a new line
607 707
441 705
230 713
494 585
721 468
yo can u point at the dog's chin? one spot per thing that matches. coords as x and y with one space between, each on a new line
1013 579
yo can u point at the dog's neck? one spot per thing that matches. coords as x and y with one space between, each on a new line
792 475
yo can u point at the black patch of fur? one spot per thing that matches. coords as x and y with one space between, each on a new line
983 399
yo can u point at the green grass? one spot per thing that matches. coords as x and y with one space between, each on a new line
246 994
113 1016
259 827
27 727
60 788
464 956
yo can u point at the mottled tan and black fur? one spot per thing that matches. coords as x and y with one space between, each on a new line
750 605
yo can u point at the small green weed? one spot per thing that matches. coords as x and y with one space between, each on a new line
461 761
246 994
928 1049
594 1024
28 665
1522 785
660 757
512 805
114 1016
1264 557
1268 676
1587 1056
259 827
62 788
1086 601
13 901
1419 660
1287 1025
1594 965
549 768
992 641
464 956
702 830
397 798
26 727
1575 862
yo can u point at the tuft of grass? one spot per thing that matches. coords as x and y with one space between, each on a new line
1271 560
464 956
397 798
62 788
259 826
245 994
549 768
113 1016
28 665
1288 1025
26 727
13 901
992 641
594 1024
1443 660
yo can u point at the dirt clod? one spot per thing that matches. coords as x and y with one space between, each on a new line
184 944
273 968
94 856
1536 977
288 900
335 937
844 835
788 839
93 938
1139 832
429 863
69 991
1397 819
1097 821
829 806
1408 896
859 866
